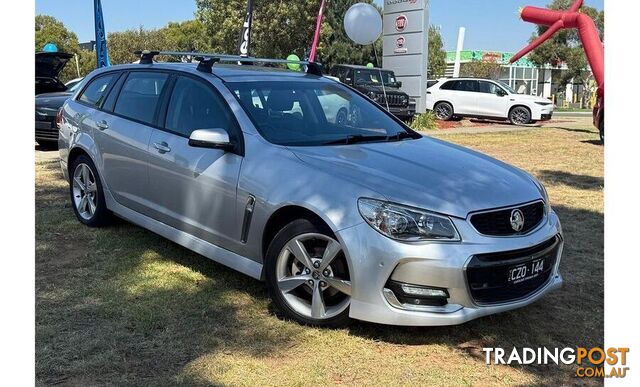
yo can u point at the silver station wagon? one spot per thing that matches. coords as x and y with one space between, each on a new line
344 214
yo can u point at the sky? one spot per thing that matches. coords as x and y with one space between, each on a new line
491 25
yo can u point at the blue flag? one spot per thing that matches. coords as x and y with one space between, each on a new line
101 36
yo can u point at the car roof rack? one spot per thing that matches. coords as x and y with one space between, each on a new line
207 60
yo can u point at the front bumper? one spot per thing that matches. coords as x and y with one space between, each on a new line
375 259
404 113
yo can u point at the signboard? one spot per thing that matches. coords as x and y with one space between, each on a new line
405 48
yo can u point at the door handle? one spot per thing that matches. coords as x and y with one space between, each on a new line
162 147
102 125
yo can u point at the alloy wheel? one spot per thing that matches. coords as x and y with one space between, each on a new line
313 276
443 111
520 116
84 191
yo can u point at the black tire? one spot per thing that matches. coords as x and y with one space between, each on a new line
520 115
290 231
101 216
342 117
601 131
48 145
443 111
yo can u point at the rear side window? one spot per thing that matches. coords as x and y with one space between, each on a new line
140 95
467 85
95 92
194 105
451 85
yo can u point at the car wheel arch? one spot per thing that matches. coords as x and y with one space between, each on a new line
285 215
519 105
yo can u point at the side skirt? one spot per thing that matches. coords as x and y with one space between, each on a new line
209 250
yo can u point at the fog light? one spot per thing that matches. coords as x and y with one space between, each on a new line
418 295
422 292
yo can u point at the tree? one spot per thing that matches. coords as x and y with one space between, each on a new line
283 27
480 69
50 30
122 45
190 35
437 54
566 47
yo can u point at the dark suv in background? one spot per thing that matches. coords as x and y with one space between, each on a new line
367 81
51 93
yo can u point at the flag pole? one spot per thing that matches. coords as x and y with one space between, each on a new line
316 36
245 31
102 53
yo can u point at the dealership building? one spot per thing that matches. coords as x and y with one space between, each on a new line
523 76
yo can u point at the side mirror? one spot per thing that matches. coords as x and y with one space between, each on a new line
211 138
501 93
398 84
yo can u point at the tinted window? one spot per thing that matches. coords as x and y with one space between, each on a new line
94 93
489 87
467 85
312 113
140 94
194 105
451 85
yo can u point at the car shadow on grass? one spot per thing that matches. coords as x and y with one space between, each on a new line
583 182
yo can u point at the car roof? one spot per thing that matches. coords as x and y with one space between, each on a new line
226 72
360 67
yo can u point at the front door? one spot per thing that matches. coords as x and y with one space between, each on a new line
493 101
194 189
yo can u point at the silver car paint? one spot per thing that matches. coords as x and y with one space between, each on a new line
196 197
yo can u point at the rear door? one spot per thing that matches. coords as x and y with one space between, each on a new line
194 189
122 135
491 102
461 93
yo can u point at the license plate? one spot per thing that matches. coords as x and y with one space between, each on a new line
526 271
43 125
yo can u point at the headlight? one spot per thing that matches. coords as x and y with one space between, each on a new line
406 224
544 103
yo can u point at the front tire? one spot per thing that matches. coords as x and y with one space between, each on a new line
87 196
520 115
307 275
443 111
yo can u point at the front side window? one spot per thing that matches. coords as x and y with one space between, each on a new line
302 113
95 92
194 105
490 88
140 95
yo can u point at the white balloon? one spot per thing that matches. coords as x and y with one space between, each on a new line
363 23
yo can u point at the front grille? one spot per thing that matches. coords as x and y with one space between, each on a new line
487 274
498 222
394 100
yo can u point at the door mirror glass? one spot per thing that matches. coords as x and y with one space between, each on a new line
211 138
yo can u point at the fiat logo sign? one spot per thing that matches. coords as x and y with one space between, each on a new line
401 23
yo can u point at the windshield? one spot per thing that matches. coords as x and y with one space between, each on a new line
506 86
372 77
303 113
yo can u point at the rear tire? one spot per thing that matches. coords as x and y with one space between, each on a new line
314 290
443 111
520 115
87 196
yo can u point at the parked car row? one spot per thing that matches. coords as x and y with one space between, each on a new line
342 216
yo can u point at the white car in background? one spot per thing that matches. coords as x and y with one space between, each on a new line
485 98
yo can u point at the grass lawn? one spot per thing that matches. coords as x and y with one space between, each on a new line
122 305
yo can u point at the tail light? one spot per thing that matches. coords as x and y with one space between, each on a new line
59 118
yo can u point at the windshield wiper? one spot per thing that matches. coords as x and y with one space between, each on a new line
356 138
400 136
